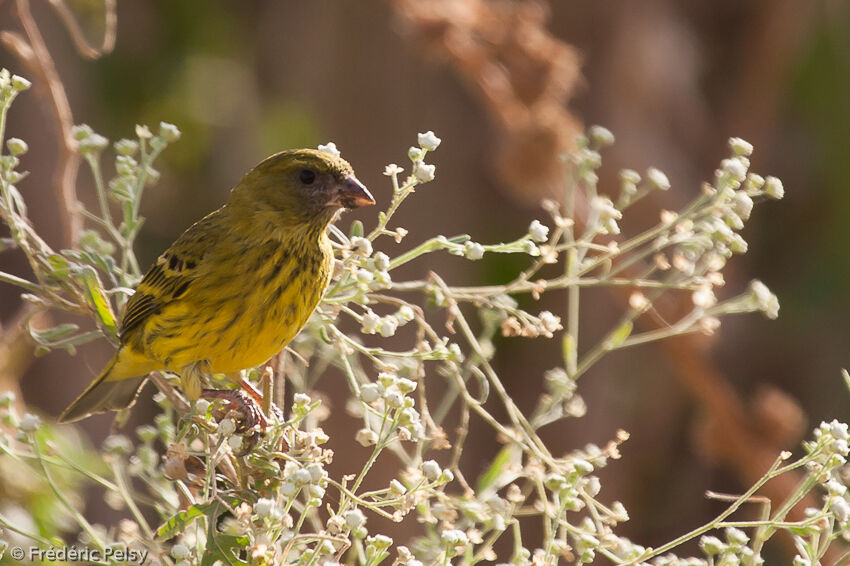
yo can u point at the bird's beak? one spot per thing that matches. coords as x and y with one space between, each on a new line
351 194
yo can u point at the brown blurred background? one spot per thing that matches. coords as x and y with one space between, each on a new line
507 85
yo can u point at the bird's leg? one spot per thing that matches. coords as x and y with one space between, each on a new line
192 376
246 401
242 403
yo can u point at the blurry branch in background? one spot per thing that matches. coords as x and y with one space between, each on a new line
522 75
16 348
84 47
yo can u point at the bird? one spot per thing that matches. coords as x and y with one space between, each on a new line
237 286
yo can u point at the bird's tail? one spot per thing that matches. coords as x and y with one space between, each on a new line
111 391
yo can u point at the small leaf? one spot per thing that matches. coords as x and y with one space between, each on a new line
323 333
59 267
356 229
179 522
619 336
460 239
52 335
502 471
225 549
96 299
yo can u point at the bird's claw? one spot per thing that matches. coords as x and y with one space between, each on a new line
253 422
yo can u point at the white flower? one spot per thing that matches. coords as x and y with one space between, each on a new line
601 136
839 430
370 392
142 132
169 132
415 153
454 537
394 398
329 147
736 536
201 406
16 146
743 204
126 147
180 551
20 83
740 147
428 141
381 261
703 297
388 326
361 246
302 476
30 423
235 442
370 322
366 437
735 167
773 188
630 176
764 300
658 178
538 231
431 469
392 169
354 518
405 314
608 214
550 322
7 398
711 545
226 427
473 250
262 508
638 301
835 488
425 173
301 399
364 276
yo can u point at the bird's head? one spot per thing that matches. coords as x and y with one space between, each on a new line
299 187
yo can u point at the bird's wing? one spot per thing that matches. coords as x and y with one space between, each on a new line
172 275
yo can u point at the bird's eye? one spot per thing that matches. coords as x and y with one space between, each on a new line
307 176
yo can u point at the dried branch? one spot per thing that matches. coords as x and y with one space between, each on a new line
34 54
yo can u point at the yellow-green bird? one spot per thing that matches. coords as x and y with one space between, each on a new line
236 286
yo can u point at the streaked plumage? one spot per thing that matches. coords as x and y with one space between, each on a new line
236 286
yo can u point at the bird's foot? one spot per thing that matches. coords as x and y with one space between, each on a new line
248 404
252 422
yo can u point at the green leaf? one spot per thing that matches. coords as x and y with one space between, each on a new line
59 267
502 471
323 334
51 335
225 549
178 523
356 229
619 336
96 299
460 239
